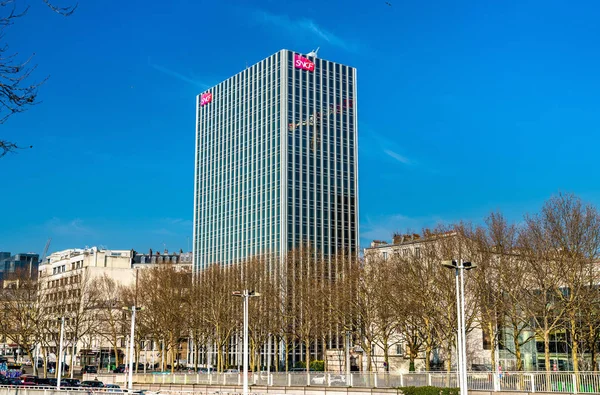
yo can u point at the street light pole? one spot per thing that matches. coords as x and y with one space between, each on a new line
464 335
245 295
461 348
130 378
60 351
459 336
131 343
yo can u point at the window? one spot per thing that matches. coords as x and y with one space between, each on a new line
385 256
418 252
399 349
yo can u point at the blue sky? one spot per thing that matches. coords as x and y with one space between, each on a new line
464 107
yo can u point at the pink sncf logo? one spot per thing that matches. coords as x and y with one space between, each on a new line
300 62
205 98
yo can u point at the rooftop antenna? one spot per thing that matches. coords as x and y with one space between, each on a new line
313 53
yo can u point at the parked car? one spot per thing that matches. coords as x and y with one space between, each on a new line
14 381
112 388
119 369
90 369
42 382
3 380
28 378
72 382
92 384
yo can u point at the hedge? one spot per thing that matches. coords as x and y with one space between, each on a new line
429 391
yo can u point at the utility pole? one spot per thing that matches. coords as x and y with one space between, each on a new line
245 295
60 351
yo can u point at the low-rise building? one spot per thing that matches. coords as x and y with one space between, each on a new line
70 281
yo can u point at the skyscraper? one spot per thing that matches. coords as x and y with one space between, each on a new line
276 161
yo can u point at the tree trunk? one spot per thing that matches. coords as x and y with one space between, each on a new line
307 352
411 366
196 354
137 357
116 351
547 349
517 345
428 351
252 355
449 359
173 351
386 354
575 349
575 346
276 354
287 355
490 328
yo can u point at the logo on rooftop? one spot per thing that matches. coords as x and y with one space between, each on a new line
205 98
300 62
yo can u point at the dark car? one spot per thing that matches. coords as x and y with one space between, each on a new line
30 378
44 382
91 369
52 382
3 379
119 369
92 384
72 382
14 381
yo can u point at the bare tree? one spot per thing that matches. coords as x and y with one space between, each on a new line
17 93
162 292
574 245
22 311
110 314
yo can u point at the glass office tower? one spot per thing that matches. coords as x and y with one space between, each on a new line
276 161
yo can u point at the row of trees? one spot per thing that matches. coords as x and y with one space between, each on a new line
533 279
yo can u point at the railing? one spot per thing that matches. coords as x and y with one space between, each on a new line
559 382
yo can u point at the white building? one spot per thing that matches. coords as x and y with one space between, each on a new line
66 276
405 245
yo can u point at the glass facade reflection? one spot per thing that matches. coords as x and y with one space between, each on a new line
276 162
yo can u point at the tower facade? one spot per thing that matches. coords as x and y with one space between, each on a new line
276 161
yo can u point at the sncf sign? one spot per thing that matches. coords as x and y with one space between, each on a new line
300 62
205 98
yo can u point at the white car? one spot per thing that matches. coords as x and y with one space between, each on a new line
327 379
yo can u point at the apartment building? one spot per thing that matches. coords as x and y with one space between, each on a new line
67 287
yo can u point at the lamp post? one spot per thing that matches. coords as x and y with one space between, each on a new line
133 309
461 351
60 351
245 295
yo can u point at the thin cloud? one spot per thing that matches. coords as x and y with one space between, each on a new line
74 227
397 156
307 25
178 75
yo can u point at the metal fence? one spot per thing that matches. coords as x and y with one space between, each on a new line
560 382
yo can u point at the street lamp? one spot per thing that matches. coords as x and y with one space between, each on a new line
246 295
460 310
60 351
133 309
